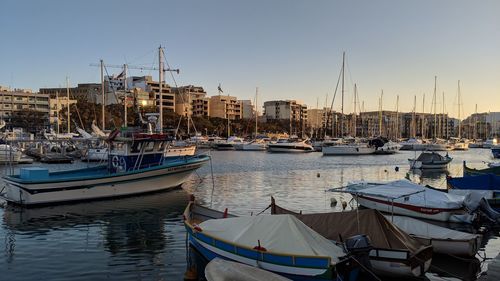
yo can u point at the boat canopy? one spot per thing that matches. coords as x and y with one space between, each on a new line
478 182
427 157
408 192
382 233
424 229
282 234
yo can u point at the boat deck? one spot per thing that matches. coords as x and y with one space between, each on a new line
101 171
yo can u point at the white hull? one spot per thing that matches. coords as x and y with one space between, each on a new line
391 268
452 247
414 164
106 187
347 150
288 150
180 151
425 213
251 146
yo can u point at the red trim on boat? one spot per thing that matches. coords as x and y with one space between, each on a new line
418 209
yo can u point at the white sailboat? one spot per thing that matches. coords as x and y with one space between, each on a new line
255 144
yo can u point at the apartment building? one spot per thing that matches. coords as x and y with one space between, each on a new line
225 107
191 101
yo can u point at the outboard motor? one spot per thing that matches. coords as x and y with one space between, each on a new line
359 247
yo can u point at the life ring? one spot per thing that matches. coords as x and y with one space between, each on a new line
123 164
115 161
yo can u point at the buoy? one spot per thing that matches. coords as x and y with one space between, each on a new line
333 201
396 169
344 205
318 175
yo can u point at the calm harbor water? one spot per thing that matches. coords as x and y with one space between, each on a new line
142 238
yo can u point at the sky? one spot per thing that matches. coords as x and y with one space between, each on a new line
289 49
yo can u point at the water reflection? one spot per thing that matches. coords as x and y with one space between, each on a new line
141 231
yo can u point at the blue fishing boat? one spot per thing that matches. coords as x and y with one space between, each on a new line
485 186
278 243
136 165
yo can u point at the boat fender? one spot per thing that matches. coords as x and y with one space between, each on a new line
115 161
197 228
225 214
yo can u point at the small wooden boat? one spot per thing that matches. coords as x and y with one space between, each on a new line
472 171
394 252
406 198
224 270
281 244
443 240
430 160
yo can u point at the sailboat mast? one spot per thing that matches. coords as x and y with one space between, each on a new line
434 105
67 102
256 110
380 114
397 117
342 107
125 95
423 116
354 114
459 120
57 109
160 88
103 96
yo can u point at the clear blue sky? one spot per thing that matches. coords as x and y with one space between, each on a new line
289 49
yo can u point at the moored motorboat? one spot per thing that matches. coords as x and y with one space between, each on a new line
351 147
254 145
384 146
404 197
290 146
266 241
136 165
443 240
394 253
430 160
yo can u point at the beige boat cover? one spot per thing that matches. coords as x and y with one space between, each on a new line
223 270
382 233
280 234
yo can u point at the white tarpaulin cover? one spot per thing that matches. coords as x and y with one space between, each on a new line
426 197
283 234
223 270
427 230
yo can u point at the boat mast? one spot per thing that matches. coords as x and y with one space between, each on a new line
413 119
256 110
475 124
342 107
459 121
397 117
423 116
125 95
434 105
354 114
67 101
380 114
103 95
57 109
160 90
442 119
